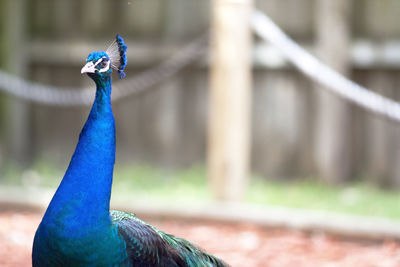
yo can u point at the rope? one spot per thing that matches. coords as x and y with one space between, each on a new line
261 24
318 71
49 95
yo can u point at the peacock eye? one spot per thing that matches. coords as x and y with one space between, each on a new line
104 62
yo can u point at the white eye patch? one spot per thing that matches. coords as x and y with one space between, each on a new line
104 63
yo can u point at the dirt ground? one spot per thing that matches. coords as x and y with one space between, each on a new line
239 245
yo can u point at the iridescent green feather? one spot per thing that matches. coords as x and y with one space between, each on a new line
192 255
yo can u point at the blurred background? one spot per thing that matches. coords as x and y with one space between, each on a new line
298 131
308 148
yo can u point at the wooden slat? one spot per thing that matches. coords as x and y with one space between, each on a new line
380 133
94 15
332 147
75 52
184 18
143 18
41 17
18 113
65 17
294 16
363 54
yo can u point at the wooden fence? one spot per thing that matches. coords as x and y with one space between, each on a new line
166 125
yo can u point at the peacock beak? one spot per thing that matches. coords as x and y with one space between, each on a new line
88 68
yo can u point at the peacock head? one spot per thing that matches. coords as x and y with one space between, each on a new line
99 65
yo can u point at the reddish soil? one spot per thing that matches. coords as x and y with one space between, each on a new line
239 245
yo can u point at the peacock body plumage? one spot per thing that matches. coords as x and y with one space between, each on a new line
78 228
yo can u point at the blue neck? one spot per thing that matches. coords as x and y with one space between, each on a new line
83 197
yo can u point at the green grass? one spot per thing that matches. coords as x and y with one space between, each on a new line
356 199
145 182
173 186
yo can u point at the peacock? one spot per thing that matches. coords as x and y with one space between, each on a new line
78 228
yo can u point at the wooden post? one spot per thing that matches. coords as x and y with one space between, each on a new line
333 126
230 97
14 61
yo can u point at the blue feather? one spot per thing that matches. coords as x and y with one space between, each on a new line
122 52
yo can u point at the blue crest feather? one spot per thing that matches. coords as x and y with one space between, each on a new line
122 52
117 54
